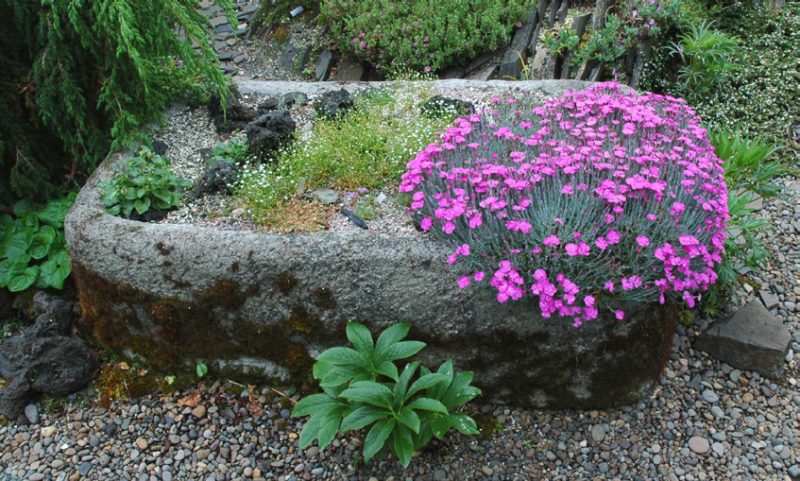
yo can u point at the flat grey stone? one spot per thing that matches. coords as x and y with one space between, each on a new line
325 196
511 65
769 299
324 64
751 339
699 444
598 433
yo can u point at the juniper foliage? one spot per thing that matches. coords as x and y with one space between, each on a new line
79 77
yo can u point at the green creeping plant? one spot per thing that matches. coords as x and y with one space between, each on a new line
363 389
33 250
144 182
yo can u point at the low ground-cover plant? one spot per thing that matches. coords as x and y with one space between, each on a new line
592 200
363 388
146 181
33 250
421 35
367 147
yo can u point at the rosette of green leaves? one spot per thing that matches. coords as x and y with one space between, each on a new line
33 250
146 181
363 389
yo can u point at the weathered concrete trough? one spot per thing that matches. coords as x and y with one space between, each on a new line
263 305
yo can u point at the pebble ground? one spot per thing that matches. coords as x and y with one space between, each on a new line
704 421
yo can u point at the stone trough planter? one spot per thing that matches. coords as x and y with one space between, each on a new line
263 305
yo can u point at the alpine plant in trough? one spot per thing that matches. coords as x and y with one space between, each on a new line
591 201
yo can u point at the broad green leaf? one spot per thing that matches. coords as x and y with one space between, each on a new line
369 392
343 356
54 212
18 244
312 404
321 368
464 424
363 416
310 431
5 267
425 382
438 391
388 369
329 426
403 445
55 269
460 392
401 350
428 404
339 375
42 240
391 335
409 418
377 436
23 207
18 281
440 425
359 335
402 383
142 205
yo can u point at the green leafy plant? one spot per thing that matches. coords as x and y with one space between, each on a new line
706 54
421 35
363 389
234 151
560 39
146 181
201 369
33 250
750 170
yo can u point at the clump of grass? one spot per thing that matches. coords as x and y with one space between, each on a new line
367 147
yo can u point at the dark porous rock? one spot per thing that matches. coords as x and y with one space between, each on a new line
752 338
293 99
233 116
160 147
438 105
269 131
324 64
220 176
44 358
267 105
332 104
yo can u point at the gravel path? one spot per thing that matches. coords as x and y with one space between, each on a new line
705 421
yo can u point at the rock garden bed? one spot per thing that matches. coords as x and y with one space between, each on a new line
263 304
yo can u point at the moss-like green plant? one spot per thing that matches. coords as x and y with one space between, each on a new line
363 388
367 147
146 181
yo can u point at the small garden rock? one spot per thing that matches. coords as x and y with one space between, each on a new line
220 176
324 64
269 131
332 104
751 339
232 116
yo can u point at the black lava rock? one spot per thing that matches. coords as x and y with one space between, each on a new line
269 131
220 176
333 104
44 358
233 116
160 147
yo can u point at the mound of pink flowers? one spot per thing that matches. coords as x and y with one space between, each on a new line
591 201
